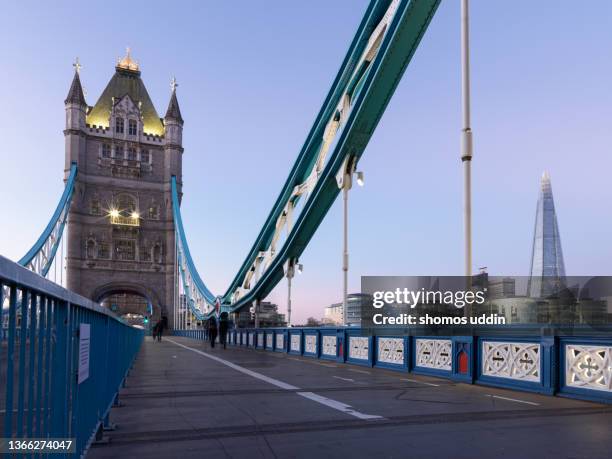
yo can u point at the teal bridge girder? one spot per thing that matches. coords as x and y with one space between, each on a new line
40 257
384 44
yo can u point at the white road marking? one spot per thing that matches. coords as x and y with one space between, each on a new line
343 407
513 399
337 405
344 379
246 371
420 382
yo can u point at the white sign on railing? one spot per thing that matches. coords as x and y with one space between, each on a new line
84 347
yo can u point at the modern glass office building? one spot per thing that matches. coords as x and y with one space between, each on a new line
547 272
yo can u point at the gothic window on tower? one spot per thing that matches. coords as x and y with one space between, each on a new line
119 125
90 248
144 156
131 154
103 250
126 204
106 150
157 253
125 249
95 206
119 152
145 253
124 211
132 127
153 212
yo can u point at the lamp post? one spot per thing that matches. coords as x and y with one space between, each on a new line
344 179
466 139
256 306
290 267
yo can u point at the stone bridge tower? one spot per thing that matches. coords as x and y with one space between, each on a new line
121 239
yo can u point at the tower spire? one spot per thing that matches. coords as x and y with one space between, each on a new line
75 93
174 112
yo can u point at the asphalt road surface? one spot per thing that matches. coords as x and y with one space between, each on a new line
184 400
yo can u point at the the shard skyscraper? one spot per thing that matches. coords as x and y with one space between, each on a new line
547 274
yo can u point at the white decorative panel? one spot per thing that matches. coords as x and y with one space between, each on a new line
359 347
243 338
269 340
329 345
280 340
391 350
434 353
310 343
251 339
588 367
520 361
295 343
260 339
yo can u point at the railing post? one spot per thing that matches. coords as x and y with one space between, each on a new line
550 364
59 399
25 299
31 364
39 371
10 363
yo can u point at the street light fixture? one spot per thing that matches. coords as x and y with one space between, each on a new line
344 179
360 180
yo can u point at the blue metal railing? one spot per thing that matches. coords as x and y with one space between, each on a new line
43 354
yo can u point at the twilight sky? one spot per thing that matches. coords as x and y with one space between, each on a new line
252 76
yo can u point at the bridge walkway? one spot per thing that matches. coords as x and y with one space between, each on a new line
185 400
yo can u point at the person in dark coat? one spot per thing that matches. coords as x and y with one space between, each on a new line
155 330
160 329
223 326
212 331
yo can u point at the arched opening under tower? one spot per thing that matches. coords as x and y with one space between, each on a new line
133 308
134 303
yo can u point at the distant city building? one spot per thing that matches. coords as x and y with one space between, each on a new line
547 273
334 314
268 317
502 288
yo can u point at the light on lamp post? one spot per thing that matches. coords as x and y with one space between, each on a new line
360 180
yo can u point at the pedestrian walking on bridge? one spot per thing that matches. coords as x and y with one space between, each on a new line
212 331
223 326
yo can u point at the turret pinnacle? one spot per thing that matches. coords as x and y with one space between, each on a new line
75 94
174 112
